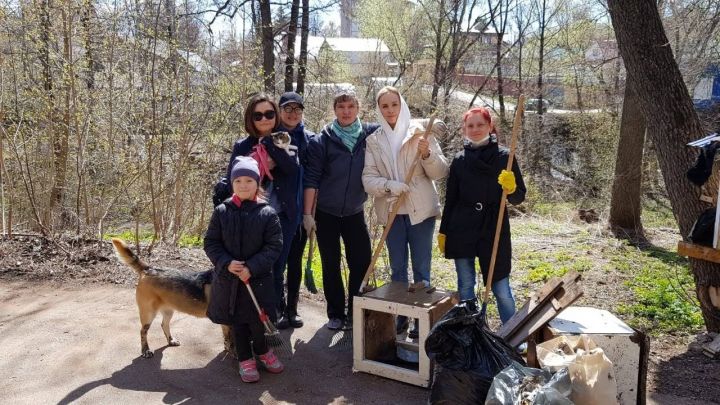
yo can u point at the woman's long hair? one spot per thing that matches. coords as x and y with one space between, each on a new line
252 102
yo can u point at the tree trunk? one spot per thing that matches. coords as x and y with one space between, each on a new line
304 33
627 184
500 90
673 122
291 33
541 58
267 46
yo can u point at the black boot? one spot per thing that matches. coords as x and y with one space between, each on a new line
291 313
282 322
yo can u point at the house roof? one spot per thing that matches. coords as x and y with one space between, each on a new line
342 44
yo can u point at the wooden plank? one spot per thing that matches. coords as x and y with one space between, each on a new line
397 292
440 309
391 371
536 301
562 299
379 336
698 251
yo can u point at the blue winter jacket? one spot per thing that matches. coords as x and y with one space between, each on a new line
337 172
300 137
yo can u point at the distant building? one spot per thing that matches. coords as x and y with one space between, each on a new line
365 57
706 93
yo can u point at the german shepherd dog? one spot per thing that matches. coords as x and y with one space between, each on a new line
168 290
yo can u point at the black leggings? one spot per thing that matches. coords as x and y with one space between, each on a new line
244 334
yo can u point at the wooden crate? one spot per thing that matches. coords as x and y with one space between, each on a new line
626 348
374 339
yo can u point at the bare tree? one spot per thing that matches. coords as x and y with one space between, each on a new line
291 33
656 77
304 33
625 202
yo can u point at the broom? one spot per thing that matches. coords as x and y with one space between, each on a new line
272 335
393 213
309 279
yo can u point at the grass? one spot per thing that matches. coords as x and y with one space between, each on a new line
663 289
146 236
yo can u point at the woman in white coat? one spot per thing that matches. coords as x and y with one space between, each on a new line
390 152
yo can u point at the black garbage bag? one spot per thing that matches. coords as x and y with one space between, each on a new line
221 192
703 228
467 354
452 387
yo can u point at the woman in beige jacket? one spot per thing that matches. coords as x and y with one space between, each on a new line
390 152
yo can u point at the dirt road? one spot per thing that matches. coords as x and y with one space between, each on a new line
81 345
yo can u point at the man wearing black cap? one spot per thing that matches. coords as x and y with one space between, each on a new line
291 121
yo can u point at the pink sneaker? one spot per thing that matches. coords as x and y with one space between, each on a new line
270 361
248 371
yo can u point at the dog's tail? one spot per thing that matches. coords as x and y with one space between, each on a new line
128 257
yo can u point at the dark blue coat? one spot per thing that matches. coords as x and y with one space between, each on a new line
286 174
337 172
472 204
249 233
301 138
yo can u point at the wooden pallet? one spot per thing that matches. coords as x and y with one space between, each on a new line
553 297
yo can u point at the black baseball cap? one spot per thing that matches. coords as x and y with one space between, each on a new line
291 97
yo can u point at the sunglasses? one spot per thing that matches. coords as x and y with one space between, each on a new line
289 109
258 116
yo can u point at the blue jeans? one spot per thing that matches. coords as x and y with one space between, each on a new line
420 239
465 268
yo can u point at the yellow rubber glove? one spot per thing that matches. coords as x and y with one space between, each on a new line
507 180
441 242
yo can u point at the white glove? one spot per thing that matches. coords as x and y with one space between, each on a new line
309 223
396 188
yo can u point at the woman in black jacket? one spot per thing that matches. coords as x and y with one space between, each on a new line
243 241
280 178
472 201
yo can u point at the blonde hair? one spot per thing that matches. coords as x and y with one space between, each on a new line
385 90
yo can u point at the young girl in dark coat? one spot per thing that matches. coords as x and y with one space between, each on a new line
243 241
472 200
280 179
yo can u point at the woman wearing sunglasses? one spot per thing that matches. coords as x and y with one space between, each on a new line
280 176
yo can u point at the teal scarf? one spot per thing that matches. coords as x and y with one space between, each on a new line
349 134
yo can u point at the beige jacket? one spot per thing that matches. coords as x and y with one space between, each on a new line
423 201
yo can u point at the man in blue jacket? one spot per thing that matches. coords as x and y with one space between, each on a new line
336 158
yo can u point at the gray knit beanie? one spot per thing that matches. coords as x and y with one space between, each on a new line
245 166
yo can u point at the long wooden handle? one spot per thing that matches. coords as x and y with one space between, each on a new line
517 124
311 236
396 208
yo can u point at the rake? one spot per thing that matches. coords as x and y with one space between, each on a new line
272 335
